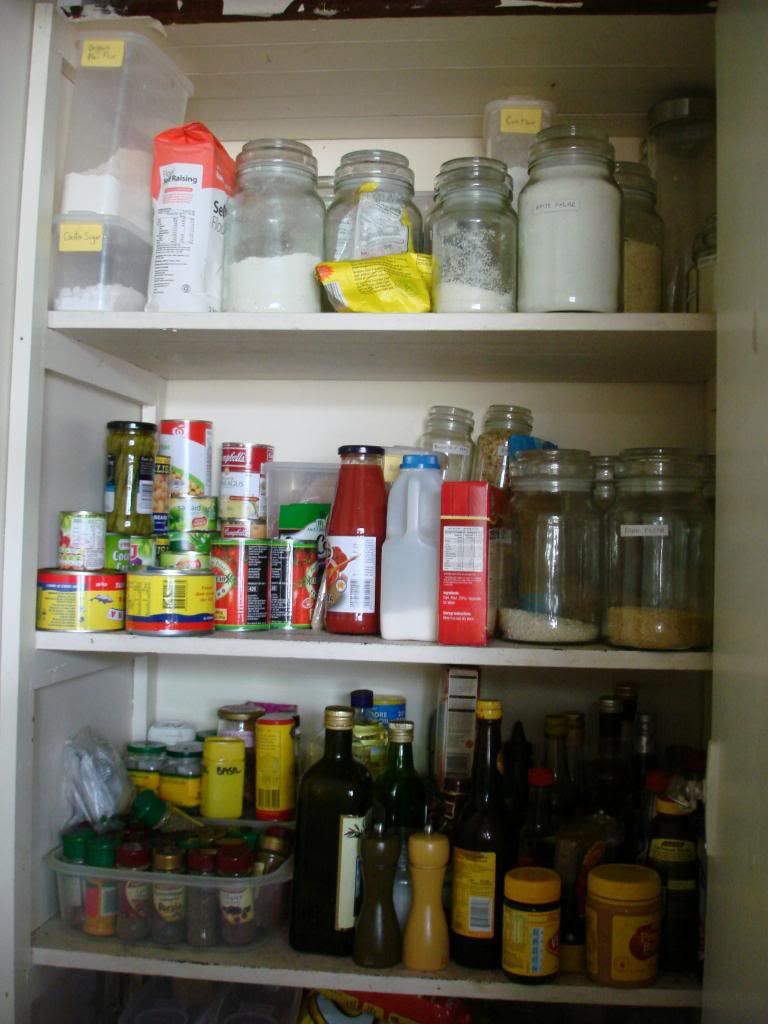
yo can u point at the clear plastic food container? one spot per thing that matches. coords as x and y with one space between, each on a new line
290 483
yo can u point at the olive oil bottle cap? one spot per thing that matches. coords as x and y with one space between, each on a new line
489 710
339 717
401 731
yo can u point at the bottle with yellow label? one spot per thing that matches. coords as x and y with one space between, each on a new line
531 942
672 853
483 851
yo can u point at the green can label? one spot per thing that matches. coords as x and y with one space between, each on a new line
126 553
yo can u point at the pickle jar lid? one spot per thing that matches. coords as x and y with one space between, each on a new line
489 710
665 806
623 882
131 426
532 885
339 717
223 748
145 749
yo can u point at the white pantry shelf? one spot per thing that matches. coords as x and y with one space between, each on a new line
327 647
273 962
575 347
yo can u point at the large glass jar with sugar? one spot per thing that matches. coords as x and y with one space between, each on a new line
660 552
551 584
642 239
274 230
474 239
373 212
569 256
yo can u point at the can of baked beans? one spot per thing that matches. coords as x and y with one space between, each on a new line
80 601
169 602
240 480
189 445
294 579
241 572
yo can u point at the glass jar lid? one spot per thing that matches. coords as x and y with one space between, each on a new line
659 462
634 177
453 413
473 172
240 713
362 449
572 463
570 143
374 164
277 152
508 416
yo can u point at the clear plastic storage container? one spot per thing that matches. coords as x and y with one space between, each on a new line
127 90
99 263
509 129
291 483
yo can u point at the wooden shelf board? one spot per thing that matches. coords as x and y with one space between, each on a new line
311 646
586 347
273 962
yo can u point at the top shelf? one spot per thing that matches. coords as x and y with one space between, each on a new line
569 347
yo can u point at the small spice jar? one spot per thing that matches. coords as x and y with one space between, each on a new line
100 893
642 232
134 899
474 239
448 429
168 899
180 776
202 901
144 762
270 855
72 887
531 930
221 795
236 899
623 918
492 454
551 588
660 552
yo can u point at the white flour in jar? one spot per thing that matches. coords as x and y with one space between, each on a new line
118 188
107 298
273 284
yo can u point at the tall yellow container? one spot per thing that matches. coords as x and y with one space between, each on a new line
223 777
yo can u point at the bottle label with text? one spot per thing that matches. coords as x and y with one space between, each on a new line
348 878
474 894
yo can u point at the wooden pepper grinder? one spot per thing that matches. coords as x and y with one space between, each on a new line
425 943
377 933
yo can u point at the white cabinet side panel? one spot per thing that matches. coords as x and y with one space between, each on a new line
736 986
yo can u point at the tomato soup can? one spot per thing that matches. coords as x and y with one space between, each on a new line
240 478
189 445
82 538
184 560
294 578
125 554
188 514
161 493
169 602
80 601
275 767
241 571
248 529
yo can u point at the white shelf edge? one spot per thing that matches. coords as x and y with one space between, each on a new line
54 946
324 647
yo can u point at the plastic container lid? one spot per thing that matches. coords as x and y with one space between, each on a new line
143 749
388 700
664 806
186 750
170 733
361 698
541 777
420 461
149 808
100 852
133 855
532 885
299 515
623 882
73 844
489 710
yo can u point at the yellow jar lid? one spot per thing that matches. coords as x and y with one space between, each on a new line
489 710
664 806
532 885
623 882
223 748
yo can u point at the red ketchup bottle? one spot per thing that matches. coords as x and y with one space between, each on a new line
356 530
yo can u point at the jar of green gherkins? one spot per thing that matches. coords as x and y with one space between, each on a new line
130 471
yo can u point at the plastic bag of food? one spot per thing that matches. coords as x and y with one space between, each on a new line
328 1006
382 284
96 783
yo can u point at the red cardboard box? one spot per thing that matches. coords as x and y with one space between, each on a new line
470 557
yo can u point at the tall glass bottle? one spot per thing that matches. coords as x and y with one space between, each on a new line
627 694
483 851
574 755
609 788
537 836
555 759
399 796
334 812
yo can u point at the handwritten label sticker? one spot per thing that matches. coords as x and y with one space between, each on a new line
81 237
102 53
520 120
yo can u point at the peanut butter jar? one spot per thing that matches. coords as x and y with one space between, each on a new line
623 920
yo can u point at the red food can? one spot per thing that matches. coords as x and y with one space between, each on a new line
294 578
240 480
241 575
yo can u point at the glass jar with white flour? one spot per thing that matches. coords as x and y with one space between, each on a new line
570 225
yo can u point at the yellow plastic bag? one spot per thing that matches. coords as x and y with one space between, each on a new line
382 284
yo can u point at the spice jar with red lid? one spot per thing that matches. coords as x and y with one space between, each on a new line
134 899
236 899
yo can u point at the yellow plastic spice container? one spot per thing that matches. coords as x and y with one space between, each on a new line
531 937
623 919
221 794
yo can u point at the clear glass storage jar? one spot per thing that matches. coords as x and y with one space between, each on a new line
604 488
569 255
274 230
660 552
551 587
642 232
491 453
474 239
448 429
373 212
701 276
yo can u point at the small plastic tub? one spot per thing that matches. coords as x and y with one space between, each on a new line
290 483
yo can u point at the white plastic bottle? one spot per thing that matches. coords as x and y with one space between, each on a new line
410 556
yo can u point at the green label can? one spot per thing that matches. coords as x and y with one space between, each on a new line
127 553
192 513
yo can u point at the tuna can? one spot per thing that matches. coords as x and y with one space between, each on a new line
294 578
189 444
275 767
190 540
241 570
170 602
82 537
240 480
125 554
192 513
80 600
244 529
160 493
184 560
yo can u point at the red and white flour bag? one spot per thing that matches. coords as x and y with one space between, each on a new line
192 179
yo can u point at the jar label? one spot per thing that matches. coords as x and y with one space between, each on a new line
451 448
463 548
145 779
557 206
531 943
237 905
180 790
348 875
134 900
520 120
644 530
351 575
473 895
168 901
102 53
625 951
672 851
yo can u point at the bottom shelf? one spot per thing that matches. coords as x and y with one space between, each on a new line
273 962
